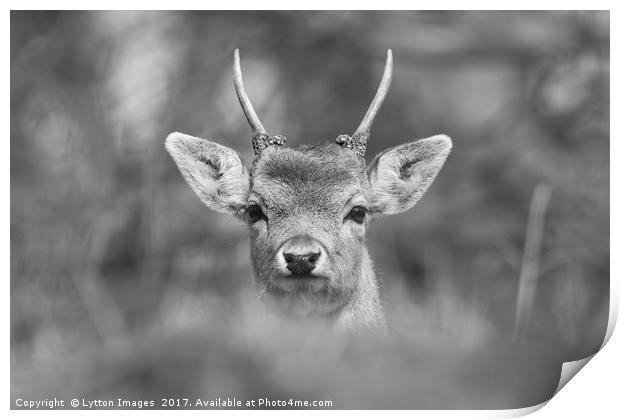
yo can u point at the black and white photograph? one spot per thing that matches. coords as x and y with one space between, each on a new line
306 210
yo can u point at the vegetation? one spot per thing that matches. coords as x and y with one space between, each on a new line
124 285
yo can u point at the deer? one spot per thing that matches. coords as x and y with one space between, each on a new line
308 208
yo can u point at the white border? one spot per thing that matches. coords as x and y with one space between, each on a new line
308 5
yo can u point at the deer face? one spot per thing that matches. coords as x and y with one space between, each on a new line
308 211
308 208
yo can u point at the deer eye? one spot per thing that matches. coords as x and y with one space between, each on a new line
254 213
357 214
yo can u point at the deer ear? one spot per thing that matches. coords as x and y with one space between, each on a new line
401 175
216 173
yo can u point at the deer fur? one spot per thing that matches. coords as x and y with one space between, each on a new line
308 209
306 189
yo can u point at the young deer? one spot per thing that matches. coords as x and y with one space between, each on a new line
308 208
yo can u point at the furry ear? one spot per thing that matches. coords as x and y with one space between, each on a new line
401 175
216 173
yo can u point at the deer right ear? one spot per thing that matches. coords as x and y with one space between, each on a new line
401 175
216 173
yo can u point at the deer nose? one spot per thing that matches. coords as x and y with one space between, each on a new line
301 254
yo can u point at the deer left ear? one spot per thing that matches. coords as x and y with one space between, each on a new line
216 173
401 175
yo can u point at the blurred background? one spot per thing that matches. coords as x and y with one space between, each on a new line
124 284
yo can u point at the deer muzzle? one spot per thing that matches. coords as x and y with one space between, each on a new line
301 256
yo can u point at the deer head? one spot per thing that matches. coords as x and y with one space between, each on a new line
308 207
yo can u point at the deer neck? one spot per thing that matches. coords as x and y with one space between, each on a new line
364 310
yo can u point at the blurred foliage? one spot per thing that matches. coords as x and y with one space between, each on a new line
108 245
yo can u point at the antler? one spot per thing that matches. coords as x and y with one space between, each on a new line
260 138
358 141
364 127
244 100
